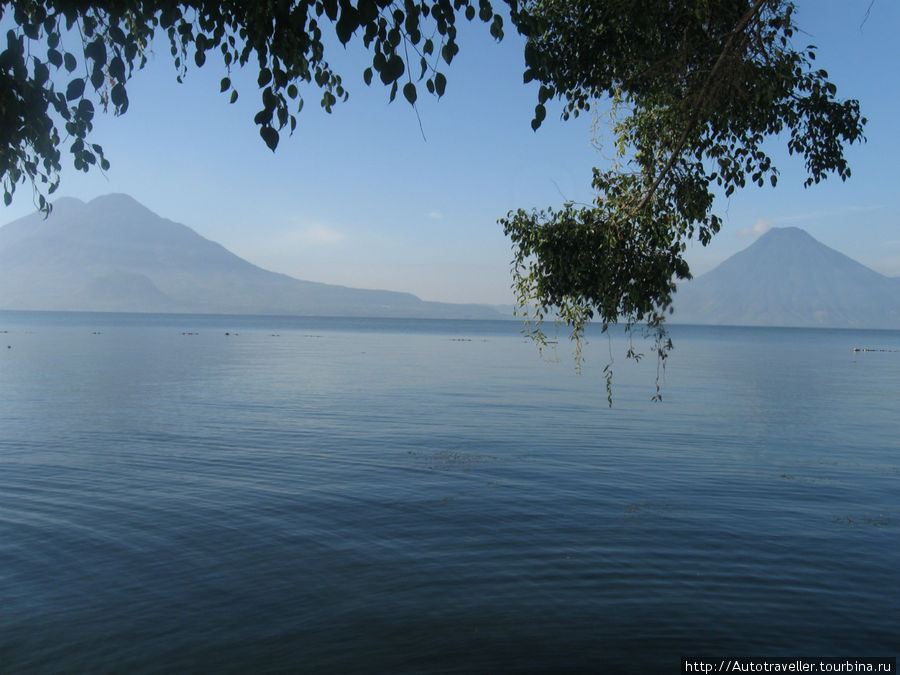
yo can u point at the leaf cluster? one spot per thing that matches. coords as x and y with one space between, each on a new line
64 59
703 85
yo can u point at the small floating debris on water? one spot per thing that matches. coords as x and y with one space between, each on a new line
96 332
312 336
460 339
189 333
872 349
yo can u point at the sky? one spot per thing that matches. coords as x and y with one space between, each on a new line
379 195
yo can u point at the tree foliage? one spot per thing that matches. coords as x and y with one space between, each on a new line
64 59
696 90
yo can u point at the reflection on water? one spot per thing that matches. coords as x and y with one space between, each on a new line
366 497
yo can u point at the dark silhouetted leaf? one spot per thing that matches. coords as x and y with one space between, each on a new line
96 51
119 97
348 23
41 73
270 136
75 89
97 76
117 69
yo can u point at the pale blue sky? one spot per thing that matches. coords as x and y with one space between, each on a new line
359 198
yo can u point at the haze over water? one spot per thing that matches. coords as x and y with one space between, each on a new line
352 495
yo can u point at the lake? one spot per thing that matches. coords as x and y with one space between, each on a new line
267 494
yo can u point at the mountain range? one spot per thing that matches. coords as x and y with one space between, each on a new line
787 278
113 254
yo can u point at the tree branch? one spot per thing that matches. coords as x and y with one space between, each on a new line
695 115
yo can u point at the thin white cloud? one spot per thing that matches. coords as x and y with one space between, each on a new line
319 235
759 228
435 215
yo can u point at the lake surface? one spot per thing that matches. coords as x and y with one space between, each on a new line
251 494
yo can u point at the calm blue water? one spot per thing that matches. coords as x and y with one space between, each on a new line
396 496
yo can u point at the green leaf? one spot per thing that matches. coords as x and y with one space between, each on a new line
119 97
484 10
224 84
368 11
393 69
440 83
367 76
86 108
497 28
69 61
75 89
409 91
96 51
117 69
41 73
348 23
270 136
97 76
